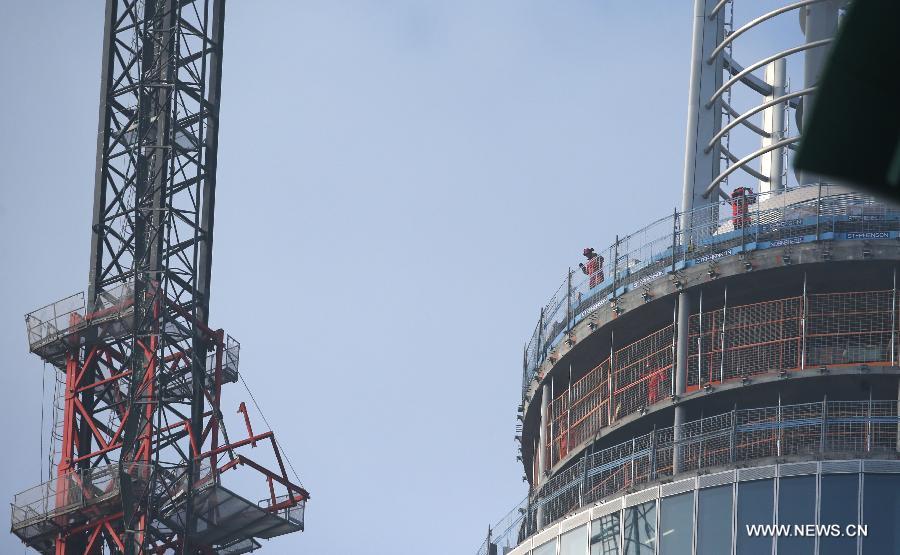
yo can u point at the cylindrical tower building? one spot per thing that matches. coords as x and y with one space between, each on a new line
734 364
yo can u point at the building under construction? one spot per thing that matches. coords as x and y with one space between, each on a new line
734 363
140 451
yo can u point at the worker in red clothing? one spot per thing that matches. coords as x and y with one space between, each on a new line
741 199
594 267
653 387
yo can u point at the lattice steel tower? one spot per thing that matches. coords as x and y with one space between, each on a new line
141 443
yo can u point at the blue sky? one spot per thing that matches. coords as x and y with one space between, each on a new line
401 185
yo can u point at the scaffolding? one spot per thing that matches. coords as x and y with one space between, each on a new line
726 345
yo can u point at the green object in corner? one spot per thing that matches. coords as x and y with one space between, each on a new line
853 132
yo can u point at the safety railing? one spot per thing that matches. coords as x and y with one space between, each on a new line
74 491
726 344
45 507
46 323
291 513
754 221
183 387
819 429
58 319
230 361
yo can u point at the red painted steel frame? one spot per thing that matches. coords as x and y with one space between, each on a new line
102 422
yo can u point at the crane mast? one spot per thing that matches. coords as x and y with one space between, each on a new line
143 442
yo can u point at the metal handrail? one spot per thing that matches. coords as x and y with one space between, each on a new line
735 437
665 246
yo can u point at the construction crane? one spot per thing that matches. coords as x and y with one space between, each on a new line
140 444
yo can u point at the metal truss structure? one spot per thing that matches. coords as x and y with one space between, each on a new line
143 441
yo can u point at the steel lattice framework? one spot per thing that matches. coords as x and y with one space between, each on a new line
143 441
153 216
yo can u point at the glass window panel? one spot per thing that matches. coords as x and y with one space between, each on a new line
714 520
605 535
548 548
797 505
574 542
839 506
756 505
676 523
881 513
639 531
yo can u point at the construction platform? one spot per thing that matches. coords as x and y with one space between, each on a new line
226 520
62 326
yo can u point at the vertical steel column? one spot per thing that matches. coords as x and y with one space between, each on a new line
584 475
674 237
540 342
615 276
684 310
64 543
524 371
203 236
569 314
733 435
552 424
894 317
869 422
722 347
772 162
158 44
674 347
610 382
758 225
633 448
818 211
542 461
700 444
778 428
803 316
699 343
700 167
569 413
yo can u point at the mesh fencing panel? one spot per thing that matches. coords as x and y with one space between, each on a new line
728 344
821 429
800 214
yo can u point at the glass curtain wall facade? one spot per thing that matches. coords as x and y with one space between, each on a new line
837 507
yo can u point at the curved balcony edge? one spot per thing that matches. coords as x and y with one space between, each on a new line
864 263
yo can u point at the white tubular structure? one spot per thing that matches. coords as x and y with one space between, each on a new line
771 164
749 134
